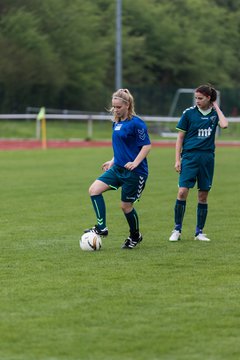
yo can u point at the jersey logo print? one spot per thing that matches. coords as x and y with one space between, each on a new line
141 134
213 118
118 127
204 132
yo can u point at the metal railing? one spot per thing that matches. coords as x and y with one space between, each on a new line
90 118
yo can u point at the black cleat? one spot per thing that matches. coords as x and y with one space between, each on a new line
131 243
96 230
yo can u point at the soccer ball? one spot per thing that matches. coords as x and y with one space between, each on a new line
90 242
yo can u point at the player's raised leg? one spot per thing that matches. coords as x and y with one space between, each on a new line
95 192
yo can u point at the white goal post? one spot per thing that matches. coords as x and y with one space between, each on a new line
183 91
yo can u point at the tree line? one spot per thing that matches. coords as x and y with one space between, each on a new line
61 54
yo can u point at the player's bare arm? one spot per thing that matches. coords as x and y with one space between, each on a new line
179 143
142 155
223 122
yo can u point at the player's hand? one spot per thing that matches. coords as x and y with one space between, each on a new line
107 165
130 166
178 166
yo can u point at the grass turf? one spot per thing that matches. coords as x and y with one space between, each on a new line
159 301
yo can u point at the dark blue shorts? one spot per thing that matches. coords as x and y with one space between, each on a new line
132 184
197 166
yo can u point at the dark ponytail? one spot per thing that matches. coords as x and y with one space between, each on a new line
208 90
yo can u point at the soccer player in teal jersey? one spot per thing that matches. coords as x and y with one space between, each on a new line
127 169
195 148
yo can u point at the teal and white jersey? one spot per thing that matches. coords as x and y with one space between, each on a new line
200 129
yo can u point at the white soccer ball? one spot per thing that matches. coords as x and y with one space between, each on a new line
90 242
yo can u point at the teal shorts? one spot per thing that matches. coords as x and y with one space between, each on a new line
132 184
197 166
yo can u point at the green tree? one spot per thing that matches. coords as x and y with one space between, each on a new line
28 58
59 46
185 43
61 53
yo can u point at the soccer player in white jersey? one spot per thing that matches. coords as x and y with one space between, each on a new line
127 169
194 162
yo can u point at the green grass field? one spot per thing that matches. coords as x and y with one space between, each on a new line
160 301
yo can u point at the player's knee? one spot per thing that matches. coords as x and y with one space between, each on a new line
126 207
97 188
182 193
93 190
202 197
